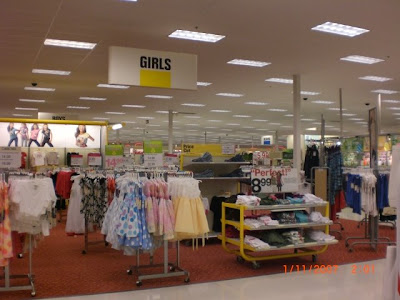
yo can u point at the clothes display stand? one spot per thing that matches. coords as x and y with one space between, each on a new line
243 251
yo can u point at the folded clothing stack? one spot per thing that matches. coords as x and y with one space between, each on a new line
283 202
319 236
261 221
273 238
256 243
266 220
285 217
204 174
301 217
248 200
294 237
317 217
295 200
310 198
207 157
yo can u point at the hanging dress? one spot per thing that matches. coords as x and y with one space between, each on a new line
75 219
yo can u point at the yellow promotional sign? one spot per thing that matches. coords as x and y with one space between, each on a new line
213 149
161 79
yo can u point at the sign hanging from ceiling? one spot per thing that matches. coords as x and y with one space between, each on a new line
150 68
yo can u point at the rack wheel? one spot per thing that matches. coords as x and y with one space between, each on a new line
255 265
84 252
129 272
314 258
33 294
296 250
106 244
20 255
346 244
172 269
139 283
240 259
187 280
350 250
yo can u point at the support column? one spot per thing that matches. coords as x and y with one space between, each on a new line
341 114
296 123
322 143
170 131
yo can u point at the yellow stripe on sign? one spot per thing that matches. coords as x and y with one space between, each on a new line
155 78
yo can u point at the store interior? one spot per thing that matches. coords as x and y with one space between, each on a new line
280 130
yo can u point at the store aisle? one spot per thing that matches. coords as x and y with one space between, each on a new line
341 285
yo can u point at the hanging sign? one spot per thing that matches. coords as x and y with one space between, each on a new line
153 160
94 159
171 159
213 149
152 147
150 68
76 160
10 157
267 140
261 158
113 162
274 180
228 149
113 150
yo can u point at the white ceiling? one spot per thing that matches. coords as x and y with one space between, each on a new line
275 31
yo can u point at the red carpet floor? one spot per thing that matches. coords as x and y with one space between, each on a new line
62 270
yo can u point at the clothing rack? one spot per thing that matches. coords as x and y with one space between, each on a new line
169 269
7 276
371 223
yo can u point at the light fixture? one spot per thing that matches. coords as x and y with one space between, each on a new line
78 107
241 116
362 59
230 95
322 102
113 86
32 100
117 126
259 120
202 83
146 118
274 123
220 111
307 120
192 130
347 115
312 129
355 119
40 89
256 103
114 113
26 108
289 115
340 29
214 121
21 115
133 106
192 124
196 36
248 127
388 92
193 104
210 127
162 112
51 72
92 98
153 125
391 101
336 108
394 108
249 63
69 44
375 78
158 96
280 80
308 93
232 124
99 118
129 122
277 109
192 117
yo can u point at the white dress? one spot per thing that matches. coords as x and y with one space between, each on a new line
75 220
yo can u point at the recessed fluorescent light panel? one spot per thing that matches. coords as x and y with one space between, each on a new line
146 118
336 108
202 83
103 119
158 96
340 29
258 120
21 115
113 86
389 92
277 109
69 44
220 111
241 116
256 103
114 113
312 129
51 72
394 108
232 124
193 117
289 115
322 102
307 120
391 101
92 98
348 115
133 106
78 107
230 95
356 119
280 80
32 100
193 104
196 36
26 108
214 121
375 78
249 63
362 59
308 93
39 89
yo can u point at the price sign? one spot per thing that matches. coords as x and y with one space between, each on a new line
113 162
76 160
10 157
171 159
274 180
228 149
153 160
94 159
261 158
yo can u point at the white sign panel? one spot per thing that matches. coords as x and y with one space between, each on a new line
94 160
261 158
150 68
274 180
57 116
228 149
153 160
76 160
171 159
10 158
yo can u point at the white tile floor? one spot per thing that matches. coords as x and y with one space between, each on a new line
343 285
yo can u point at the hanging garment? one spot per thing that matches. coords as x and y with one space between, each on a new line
75 219
94 199
64 184
6 249
394 187
311 160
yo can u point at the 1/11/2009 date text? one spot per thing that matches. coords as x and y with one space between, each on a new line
312 269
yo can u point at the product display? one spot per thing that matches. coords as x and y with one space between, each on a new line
75 219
